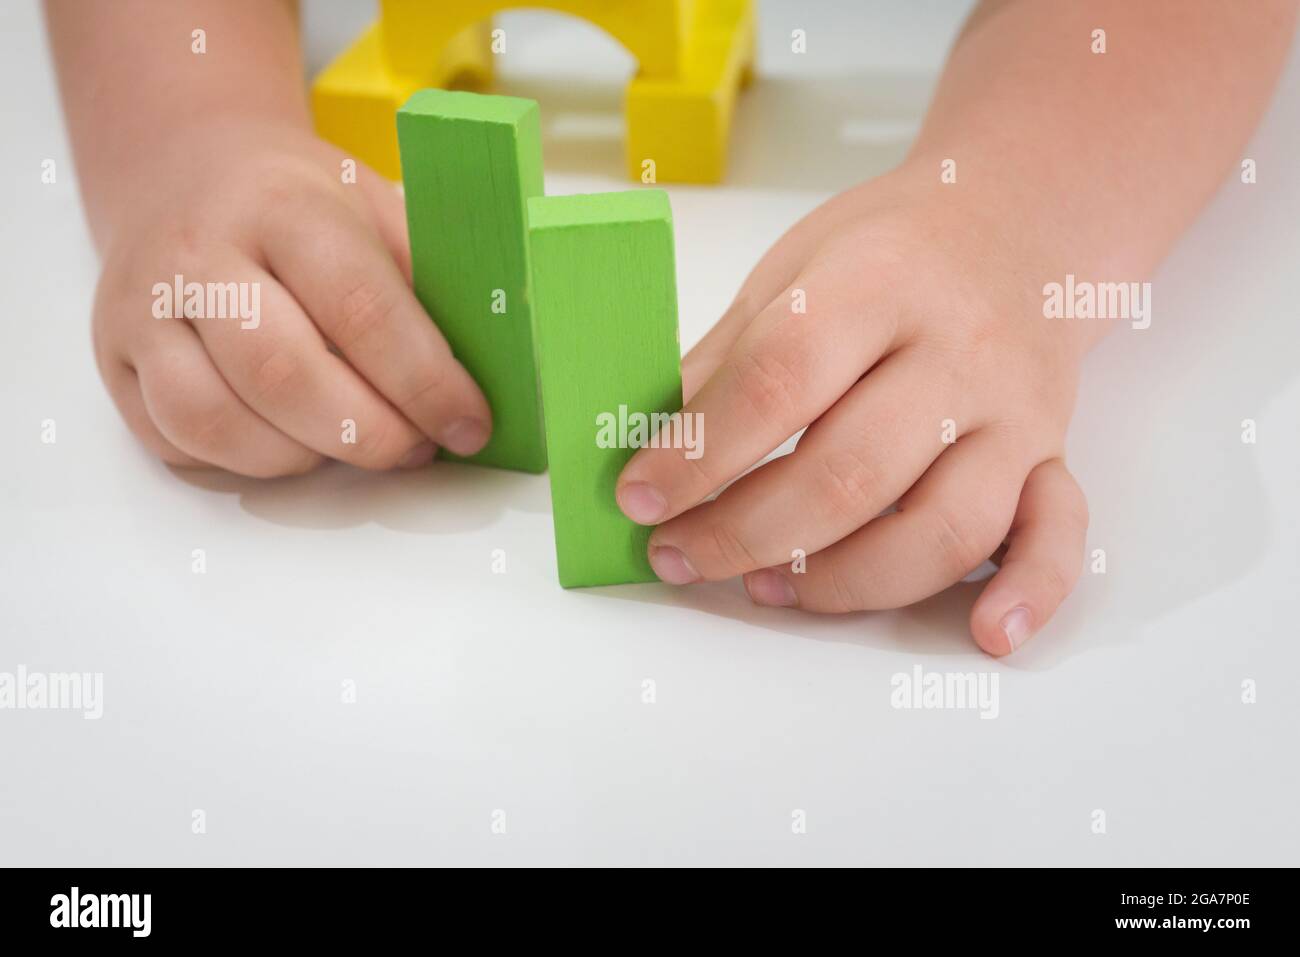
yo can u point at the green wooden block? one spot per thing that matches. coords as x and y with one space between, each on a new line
605 313
470 163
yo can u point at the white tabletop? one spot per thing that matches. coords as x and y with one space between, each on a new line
479 693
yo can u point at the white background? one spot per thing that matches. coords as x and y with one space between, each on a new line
479 692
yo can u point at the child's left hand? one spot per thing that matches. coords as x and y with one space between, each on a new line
923 324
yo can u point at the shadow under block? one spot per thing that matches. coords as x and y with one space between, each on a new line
605 309
692 58
471 163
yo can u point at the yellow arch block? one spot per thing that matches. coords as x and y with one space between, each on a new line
692 55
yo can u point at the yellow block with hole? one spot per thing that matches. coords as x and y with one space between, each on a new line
692 56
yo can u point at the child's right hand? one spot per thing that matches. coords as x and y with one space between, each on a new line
340 337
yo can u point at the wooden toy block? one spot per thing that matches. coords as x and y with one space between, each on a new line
470 164
682 122
653 31
605 310
692 56
355 98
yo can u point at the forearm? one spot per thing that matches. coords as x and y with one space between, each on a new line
132 84
1096 162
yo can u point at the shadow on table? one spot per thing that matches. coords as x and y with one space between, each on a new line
1180 502
936 626
445 498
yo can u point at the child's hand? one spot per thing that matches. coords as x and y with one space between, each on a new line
338 338
923 323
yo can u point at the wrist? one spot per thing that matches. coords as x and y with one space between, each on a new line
1028 259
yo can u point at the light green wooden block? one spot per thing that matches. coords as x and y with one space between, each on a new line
605 313
470 163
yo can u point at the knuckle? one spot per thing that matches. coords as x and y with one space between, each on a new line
211 426
276 190
286 185
703 478
961 540
377 445
846 483
431 384
284 179
190 251
182 247
196 414
365 308
845 594
273 371
735 555
1057 579
769 385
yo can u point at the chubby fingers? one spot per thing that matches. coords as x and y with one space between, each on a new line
954 518
784 371
171 395
349 284
853 463
280 366
124 387
194 409
1044 558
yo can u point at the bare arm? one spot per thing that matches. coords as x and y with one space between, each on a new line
1101 160
131 82
920 358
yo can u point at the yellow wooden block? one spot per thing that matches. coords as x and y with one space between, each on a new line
356 98
653 31
682 124
693 56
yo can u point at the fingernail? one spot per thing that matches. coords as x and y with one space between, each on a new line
642 503
672 566
767 587
1015 625
465 436
422 454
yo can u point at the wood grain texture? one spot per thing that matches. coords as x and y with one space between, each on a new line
605 305
470 163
